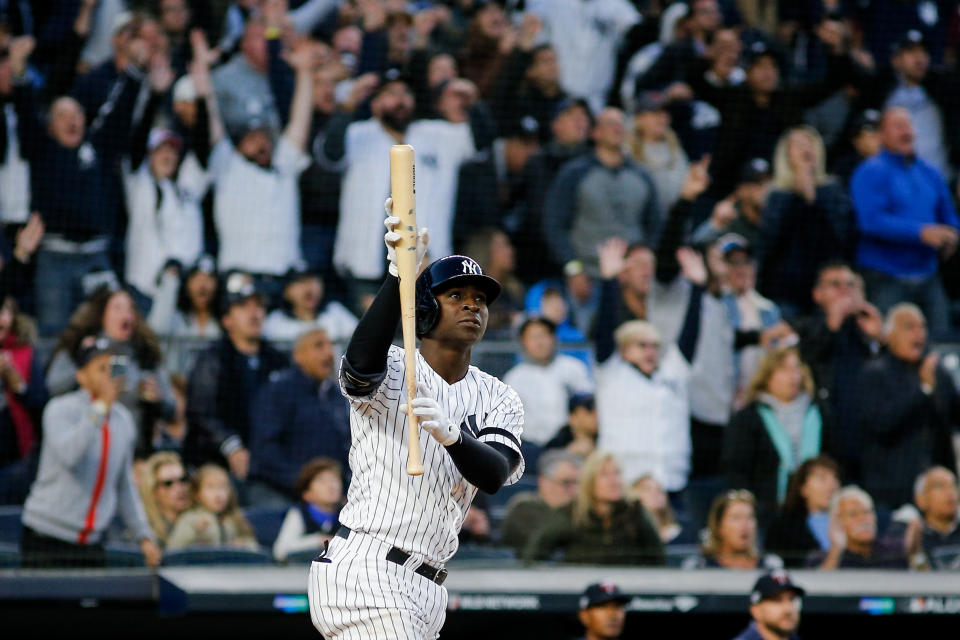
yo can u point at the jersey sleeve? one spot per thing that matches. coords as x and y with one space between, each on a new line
387 391
504 425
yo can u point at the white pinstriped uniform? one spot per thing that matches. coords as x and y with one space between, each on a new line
354 592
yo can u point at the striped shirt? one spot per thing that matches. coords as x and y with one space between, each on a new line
421 514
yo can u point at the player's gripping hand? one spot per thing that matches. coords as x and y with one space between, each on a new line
433 419
391 238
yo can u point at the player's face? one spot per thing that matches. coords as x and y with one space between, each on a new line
604 621
325 489
779 614
463 314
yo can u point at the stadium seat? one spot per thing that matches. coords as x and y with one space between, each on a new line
9 555
676 554
215 555
302 557
946 558
10 526
473 554
124 555
266 523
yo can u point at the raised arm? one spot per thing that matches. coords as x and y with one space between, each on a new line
301 107
365 362
200 72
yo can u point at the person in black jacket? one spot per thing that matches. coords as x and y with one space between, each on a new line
781 427
803 523
909 407
836 342
226 377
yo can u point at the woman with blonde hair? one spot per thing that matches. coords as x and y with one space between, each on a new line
655 146
730 539
781 427
808 221
600 526
216 520
165 492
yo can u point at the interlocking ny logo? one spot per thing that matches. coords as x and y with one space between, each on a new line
471 267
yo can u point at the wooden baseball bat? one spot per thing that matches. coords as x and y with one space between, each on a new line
403 192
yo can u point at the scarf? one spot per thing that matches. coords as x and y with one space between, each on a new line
809 442
21 356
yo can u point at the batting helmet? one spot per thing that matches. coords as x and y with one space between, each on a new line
441 275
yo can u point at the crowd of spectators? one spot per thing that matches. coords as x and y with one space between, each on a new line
726 231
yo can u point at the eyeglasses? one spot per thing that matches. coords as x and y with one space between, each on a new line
567 482
166 484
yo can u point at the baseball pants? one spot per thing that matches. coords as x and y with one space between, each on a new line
355 593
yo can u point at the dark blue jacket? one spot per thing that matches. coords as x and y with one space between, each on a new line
294 420
751 633
894 198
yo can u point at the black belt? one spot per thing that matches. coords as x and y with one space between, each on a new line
399 556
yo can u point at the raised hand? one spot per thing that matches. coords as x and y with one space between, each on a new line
697 179
612 257
692 266
19 51
28 238
161 74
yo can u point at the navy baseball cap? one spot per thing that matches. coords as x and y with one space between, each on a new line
910 39
238 287
760 49
771 584
600 593
731 242
569 103
650 101
867 119
755 170
93 346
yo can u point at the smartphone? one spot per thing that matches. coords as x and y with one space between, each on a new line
119 366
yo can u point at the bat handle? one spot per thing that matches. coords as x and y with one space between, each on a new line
414 464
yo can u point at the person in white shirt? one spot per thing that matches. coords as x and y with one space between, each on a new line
257 209
586 36
304 308
362 151
643 408
545 380
163 195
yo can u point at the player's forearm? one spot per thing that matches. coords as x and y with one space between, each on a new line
485 466
367 351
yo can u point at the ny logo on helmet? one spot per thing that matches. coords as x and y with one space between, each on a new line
471 267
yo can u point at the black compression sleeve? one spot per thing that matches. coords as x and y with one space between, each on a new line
485 465
366 356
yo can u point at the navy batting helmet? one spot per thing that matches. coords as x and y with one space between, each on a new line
441 275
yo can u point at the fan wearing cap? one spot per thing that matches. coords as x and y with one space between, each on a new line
257 204
862 141
927 93
305 307
227 376
775 608
603 611
742 211
361 149
163 191
655 145
754 114
86 470
395 525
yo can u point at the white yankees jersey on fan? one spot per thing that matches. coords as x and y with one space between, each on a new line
440 148
421 514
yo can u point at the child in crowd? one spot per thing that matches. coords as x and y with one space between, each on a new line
313 521
216 520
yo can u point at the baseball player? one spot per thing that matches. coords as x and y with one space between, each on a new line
382 574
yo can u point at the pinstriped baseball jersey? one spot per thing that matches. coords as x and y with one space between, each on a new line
421 514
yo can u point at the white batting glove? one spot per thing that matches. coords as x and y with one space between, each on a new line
433 419
391 238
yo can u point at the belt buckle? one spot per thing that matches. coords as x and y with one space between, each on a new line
440 576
